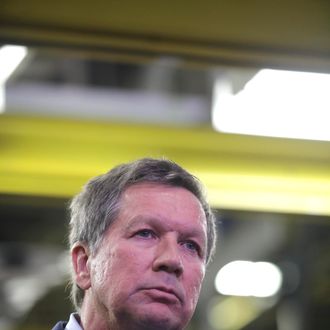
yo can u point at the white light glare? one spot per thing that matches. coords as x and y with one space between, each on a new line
275 103
247 278
10 57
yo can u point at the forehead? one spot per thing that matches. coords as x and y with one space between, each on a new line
171 204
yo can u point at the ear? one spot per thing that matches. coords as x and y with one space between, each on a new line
80 262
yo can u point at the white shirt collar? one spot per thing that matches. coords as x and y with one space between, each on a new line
73 324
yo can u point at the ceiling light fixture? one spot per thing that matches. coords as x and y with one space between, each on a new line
275 103
247 278
10 58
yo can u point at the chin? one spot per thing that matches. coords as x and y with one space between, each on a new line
152 323
160 318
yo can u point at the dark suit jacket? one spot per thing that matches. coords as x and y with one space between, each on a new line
60 325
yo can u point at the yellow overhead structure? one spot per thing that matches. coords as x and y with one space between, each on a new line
54 157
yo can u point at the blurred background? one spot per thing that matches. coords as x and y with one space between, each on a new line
236 92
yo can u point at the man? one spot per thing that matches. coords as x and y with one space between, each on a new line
141 236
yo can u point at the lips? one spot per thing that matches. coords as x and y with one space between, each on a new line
167 290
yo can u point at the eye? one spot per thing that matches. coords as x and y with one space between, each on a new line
192 246
145 233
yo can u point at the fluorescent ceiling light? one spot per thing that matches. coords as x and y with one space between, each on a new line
247 278
10 58
275 103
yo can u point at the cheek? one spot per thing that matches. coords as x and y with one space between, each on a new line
100 270
115 269
194 280
105 282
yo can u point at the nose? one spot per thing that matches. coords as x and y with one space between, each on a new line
168 258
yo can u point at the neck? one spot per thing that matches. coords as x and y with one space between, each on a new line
92 317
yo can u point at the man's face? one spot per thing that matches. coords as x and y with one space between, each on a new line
151 262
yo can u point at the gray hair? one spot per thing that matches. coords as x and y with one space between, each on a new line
97 206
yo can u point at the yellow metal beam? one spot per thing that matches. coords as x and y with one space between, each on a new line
54 157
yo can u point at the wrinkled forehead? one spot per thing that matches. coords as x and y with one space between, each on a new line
160 199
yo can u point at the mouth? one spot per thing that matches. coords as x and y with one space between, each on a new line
164 293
